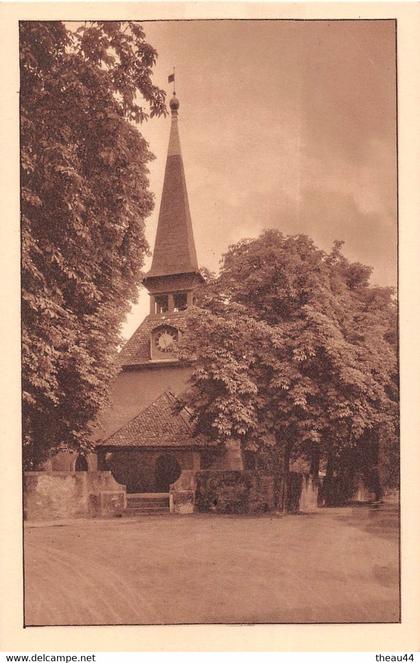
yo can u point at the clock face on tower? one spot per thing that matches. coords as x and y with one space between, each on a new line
166 339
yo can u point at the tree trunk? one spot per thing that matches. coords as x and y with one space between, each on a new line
282 473
315 457
377 471
278 478
286 476
329 480
315 460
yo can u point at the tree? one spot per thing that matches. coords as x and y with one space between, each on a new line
294 355
84 200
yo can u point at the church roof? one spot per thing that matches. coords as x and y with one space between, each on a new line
137 348
158 425
174 251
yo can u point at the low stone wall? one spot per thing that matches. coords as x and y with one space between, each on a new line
61 495
224 491
233 491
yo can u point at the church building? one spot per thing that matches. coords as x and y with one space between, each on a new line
147 458
143 441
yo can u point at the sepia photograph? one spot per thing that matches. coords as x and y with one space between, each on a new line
209 321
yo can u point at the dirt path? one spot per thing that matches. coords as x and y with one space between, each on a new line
335 566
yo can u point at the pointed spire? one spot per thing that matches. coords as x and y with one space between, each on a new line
174 251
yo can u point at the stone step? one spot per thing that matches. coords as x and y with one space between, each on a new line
146 496
149 504
147 500
140 504
134 511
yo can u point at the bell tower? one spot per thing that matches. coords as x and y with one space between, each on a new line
174 273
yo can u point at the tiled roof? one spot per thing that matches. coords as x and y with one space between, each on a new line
137 348
158 425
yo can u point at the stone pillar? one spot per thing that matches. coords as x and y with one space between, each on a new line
182 493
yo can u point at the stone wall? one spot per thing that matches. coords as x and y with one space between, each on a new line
230 491
61 495
248 491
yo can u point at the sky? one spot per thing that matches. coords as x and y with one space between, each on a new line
283 124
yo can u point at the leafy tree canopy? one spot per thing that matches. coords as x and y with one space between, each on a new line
84 199
295 350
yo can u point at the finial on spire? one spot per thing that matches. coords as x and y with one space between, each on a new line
174 103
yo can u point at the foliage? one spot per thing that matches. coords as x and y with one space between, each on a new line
295 351
84 198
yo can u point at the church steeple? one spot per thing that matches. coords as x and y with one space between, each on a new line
174 251
174 273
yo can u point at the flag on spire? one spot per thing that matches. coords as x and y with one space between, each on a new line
171 78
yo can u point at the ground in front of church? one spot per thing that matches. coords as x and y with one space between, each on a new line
338 565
